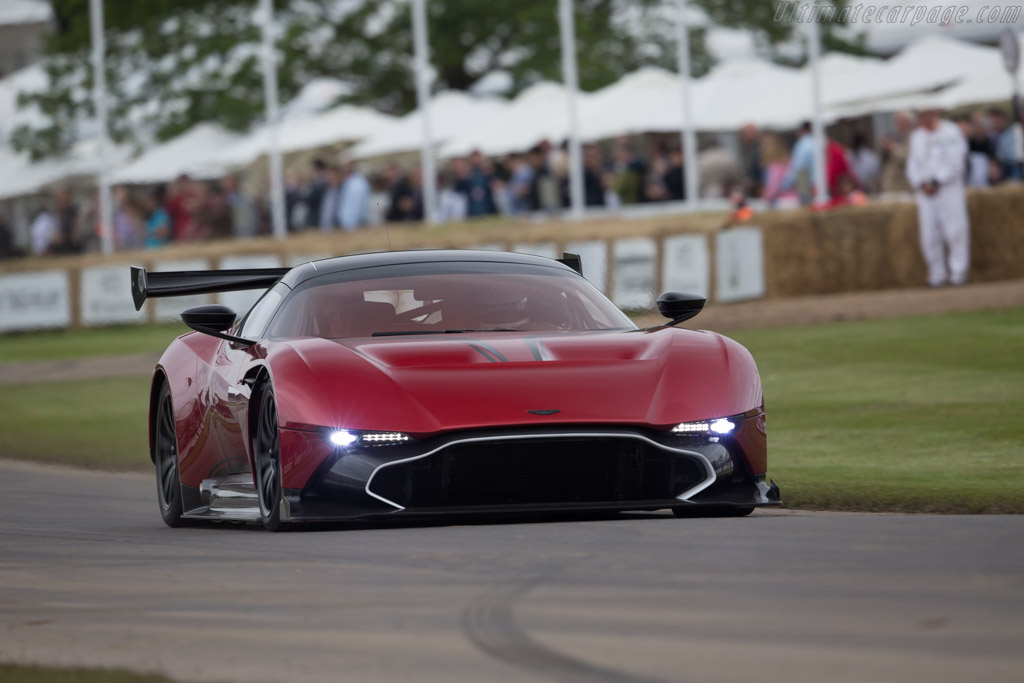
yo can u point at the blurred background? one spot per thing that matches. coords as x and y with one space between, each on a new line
206 113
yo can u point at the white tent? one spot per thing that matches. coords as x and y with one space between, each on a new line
646 100
30 79
929 64
451 113
754 91
842 72
20 177
24 12
195 152
346 123
984 81
541 112
315 96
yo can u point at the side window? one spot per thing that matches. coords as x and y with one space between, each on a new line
255 324
589 314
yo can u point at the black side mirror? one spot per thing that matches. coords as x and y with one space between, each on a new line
678 307
204 318
213 320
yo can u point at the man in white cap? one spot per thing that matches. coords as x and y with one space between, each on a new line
935 169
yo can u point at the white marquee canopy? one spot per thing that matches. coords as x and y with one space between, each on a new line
933 71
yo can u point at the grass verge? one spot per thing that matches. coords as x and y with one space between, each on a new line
916 414
12 673
95 423
76 344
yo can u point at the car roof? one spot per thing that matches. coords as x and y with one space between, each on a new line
339 264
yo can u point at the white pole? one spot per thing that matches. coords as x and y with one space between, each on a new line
689 134
273 120
421 66
567 25
817 125
99 98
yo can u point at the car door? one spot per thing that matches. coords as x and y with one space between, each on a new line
228 393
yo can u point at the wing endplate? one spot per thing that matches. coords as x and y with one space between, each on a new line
572 260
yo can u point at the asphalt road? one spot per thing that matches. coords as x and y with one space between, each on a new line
90 576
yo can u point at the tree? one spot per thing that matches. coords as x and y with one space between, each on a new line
776 23
174 63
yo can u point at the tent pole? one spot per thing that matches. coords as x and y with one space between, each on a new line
273 120
99 98
421 60
567 26
689 133
818 125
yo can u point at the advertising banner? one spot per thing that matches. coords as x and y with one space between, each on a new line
739 264
32 301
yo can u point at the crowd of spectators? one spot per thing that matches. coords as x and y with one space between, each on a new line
767 165
149 218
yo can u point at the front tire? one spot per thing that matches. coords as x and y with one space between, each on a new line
165 456
266 455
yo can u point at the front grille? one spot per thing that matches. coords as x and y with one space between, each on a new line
541 471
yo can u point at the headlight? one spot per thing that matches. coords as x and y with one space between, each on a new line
342 437
347 438
721 426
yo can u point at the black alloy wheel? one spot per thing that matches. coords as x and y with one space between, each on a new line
165 456
266 452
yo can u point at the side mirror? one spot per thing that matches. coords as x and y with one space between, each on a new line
678 307
209 318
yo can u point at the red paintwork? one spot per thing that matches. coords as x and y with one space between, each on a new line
306 451
429 384
752 439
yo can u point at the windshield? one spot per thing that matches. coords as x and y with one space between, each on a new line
440 298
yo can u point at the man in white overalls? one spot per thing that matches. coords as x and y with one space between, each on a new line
935 169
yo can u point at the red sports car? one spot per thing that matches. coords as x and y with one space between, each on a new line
439 382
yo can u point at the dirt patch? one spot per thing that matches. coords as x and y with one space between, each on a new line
72 370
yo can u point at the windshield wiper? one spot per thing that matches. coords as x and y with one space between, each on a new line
399 333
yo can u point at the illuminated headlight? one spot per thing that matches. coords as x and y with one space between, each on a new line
346 438
342 437
720 426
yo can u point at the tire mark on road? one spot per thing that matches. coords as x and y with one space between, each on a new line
489 623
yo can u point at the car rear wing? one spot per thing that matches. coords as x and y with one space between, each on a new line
182 283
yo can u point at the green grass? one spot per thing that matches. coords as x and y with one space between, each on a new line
10 673
918 414
75 344
95 423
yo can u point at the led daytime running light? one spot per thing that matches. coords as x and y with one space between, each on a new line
691 428
385 437
346 438
720 426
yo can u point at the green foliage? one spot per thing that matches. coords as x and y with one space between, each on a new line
760 17
174 63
